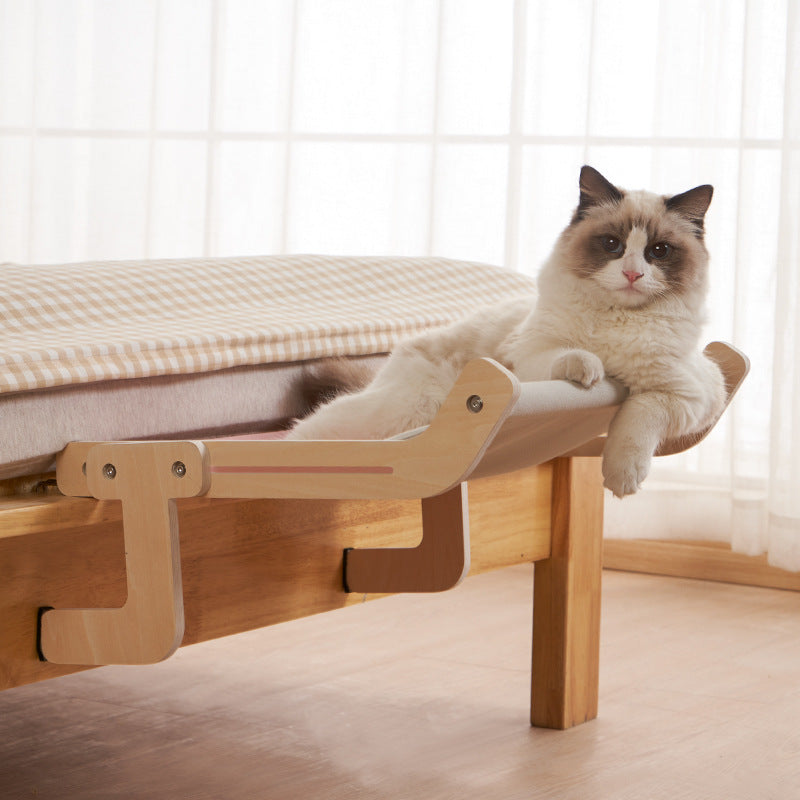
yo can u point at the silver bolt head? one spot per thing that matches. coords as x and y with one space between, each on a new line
474 403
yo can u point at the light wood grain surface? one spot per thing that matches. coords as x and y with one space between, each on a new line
426 697
149 626
566 600
708 561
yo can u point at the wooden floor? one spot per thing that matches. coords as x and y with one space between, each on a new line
425 698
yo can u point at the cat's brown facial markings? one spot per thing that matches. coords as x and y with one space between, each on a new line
636 246
597 239
647 240
684 259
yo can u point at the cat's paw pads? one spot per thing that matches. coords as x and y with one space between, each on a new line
579 366
624 468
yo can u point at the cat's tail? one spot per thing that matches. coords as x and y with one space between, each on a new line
324 380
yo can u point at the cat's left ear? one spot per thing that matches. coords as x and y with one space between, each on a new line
692 204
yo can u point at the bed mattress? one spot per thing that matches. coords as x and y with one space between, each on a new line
181 348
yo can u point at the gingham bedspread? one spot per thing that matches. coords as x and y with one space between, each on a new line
80 323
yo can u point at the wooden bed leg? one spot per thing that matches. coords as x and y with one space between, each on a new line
566 604
438 563
145 476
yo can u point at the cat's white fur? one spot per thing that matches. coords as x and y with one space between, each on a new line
622 316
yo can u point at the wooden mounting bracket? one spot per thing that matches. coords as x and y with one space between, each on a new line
146 477
439 562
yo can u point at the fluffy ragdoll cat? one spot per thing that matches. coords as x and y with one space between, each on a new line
622 295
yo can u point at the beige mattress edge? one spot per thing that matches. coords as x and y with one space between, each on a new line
36 425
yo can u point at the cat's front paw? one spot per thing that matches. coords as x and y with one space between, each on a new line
579 366
625 466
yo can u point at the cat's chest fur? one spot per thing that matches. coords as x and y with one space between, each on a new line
642 349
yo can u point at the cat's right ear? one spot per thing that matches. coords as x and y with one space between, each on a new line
595 189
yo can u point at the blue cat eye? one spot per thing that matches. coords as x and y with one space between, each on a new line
659 250
611 244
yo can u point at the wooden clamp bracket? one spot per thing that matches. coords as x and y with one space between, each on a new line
439 562
146 477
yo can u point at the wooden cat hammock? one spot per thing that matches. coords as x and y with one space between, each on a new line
489 423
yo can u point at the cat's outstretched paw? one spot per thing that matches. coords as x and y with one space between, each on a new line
579 366
625 466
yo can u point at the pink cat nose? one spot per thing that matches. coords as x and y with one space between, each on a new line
632 276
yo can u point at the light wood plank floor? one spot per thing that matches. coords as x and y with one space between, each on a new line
426 698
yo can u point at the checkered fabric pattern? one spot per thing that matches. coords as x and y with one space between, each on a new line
80 323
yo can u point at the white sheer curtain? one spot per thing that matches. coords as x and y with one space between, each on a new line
456 127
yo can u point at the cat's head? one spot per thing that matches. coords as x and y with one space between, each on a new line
634 247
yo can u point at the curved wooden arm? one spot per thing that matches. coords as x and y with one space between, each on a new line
435 460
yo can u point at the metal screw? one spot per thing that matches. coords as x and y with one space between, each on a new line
474 403
109 471
179 469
